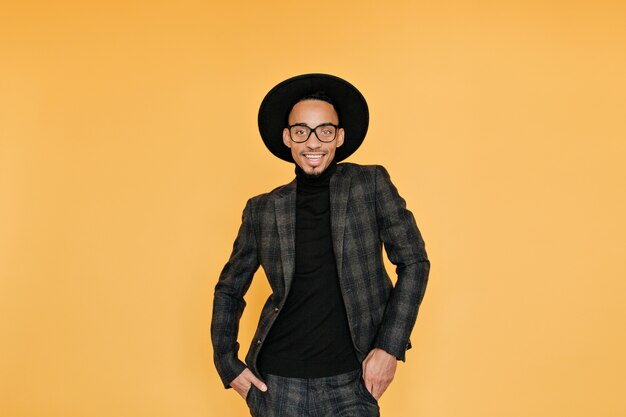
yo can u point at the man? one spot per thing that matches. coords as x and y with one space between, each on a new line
334 326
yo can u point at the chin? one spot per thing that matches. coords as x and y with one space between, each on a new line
316 171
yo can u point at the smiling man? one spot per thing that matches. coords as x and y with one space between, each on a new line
334 327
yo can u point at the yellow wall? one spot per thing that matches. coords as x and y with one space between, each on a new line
128 147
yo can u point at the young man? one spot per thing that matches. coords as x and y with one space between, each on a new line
331 332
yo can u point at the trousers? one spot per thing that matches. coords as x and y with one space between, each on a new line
343 395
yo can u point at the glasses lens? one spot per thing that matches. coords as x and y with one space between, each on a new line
299 133
326 133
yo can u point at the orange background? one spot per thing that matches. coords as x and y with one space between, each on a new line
128 147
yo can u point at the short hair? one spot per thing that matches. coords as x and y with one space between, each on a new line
317 95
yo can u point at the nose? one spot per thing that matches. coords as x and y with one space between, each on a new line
313 142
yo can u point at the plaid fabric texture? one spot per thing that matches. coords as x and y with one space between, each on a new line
342 395
366 213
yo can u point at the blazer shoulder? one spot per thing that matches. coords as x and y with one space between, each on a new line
265 198
349 167
366 172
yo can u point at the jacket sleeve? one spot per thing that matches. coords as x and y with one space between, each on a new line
406 250
228 301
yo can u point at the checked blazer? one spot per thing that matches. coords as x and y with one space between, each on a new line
366 213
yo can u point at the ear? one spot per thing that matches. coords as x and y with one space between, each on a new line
286 138
340 135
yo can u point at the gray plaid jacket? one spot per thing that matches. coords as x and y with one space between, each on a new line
366 212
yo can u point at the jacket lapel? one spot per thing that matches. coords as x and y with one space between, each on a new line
339 190
285 212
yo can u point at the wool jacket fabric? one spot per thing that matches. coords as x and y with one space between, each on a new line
366 213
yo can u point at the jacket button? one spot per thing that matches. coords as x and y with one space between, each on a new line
258 342
276 310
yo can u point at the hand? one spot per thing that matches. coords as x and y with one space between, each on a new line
379 368
244 381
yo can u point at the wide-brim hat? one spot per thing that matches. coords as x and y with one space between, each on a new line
348 101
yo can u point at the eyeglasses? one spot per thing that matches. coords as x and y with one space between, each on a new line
325 132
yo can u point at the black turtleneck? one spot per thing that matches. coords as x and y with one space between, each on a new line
310 337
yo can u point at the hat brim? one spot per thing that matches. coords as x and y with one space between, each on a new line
349 103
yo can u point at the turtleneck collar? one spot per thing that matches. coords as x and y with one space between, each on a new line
316 180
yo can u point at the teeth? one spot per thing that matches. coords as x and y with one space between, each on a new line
313 156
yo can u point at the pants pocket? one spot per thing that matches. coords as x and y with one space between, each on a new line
364 391
249 395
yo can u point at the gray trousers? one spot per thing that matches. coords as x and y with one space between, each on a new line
341 395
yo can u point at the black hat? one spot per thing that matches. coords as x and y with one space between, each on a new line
348 101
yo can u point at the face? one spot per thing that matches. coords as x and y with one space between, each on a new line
313 156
